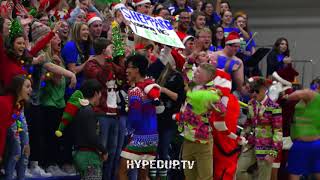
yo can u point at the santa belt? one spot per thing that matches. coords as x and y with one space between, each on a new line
230 153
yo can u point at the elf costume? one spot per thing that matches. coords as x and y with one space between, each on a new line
74 103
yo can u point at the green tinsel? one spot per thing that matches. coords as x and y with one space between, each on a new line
15 30
33 12
117 40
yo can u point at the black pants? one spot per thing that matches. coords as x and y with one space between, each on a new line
35 125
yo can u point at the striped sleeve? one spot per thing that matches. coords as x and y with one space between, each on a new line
277 127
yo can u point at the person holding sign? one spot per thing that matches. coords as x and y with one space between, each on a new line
142 6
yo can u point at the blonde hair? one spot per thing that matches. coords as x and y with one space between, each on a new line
204 30
209 68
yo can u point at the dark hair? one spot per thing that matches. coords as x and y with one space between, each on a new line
16 85
226 2
139 61
203 7
90 87
315 84
9 45
100 44
276 46
195 16
182 11
214 38
157 11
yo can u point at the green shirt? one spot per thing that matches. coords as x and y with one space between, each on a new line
306 119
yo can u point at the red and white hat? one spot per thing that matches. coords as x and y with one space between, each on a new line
136 3
116 6
184 37
233 38
223 81
92 17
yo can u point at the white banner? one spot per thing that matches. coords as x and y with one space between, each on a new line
155 29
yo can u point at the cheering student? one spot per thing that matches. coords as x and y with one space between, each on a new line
14 131
141 115
304 156
265 121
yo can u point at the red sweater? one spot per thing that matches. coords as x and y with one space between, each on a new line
10 67
6 120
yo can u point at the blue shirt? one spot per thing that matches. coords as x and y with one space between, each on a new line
70 54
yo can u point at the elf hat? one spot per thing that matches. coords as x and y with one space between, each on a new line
184 37
74 103
233 38
136 3
92 17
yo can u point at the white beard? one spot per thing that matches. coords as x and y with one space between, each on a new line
112 99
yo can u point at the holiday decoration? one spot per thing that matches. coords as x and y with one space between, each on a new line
117 40
15 30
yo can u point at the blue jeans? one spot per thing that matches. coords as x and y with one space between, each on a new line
109 129
17 160
165 138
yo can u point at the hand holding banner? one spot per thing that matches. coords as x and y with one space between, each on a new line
153 28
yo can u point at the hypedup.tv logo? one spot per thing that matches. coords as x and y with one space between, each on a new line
160 164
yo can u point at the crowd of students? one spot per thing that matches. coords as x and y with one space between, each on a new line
82 94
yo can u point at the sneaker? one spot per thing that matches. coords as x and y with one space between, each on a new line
28 173
56 171
69 169
37 171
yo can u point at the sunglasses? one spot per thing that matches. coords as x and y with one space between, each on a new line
110 89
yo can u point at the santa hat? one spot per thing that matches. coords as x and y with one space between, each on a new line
184 37
223 81
178 58
286 75
47 5
115 7
74 103
139 46
92 17
136 3
233 38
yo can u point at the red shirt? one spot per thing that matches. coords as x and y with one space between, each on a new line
6 120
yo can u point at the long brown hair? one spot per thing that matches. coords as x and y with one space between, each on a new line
75 37
165 74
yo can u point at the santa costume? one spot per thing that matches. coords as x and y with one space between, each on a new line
226 147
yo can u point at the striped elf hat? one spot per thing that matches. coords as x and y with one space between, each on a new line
74 103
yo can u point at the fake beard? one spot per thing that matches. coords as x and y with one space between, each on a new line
112 99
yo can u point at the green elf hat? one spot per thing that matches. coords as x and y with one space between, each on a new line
74 103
